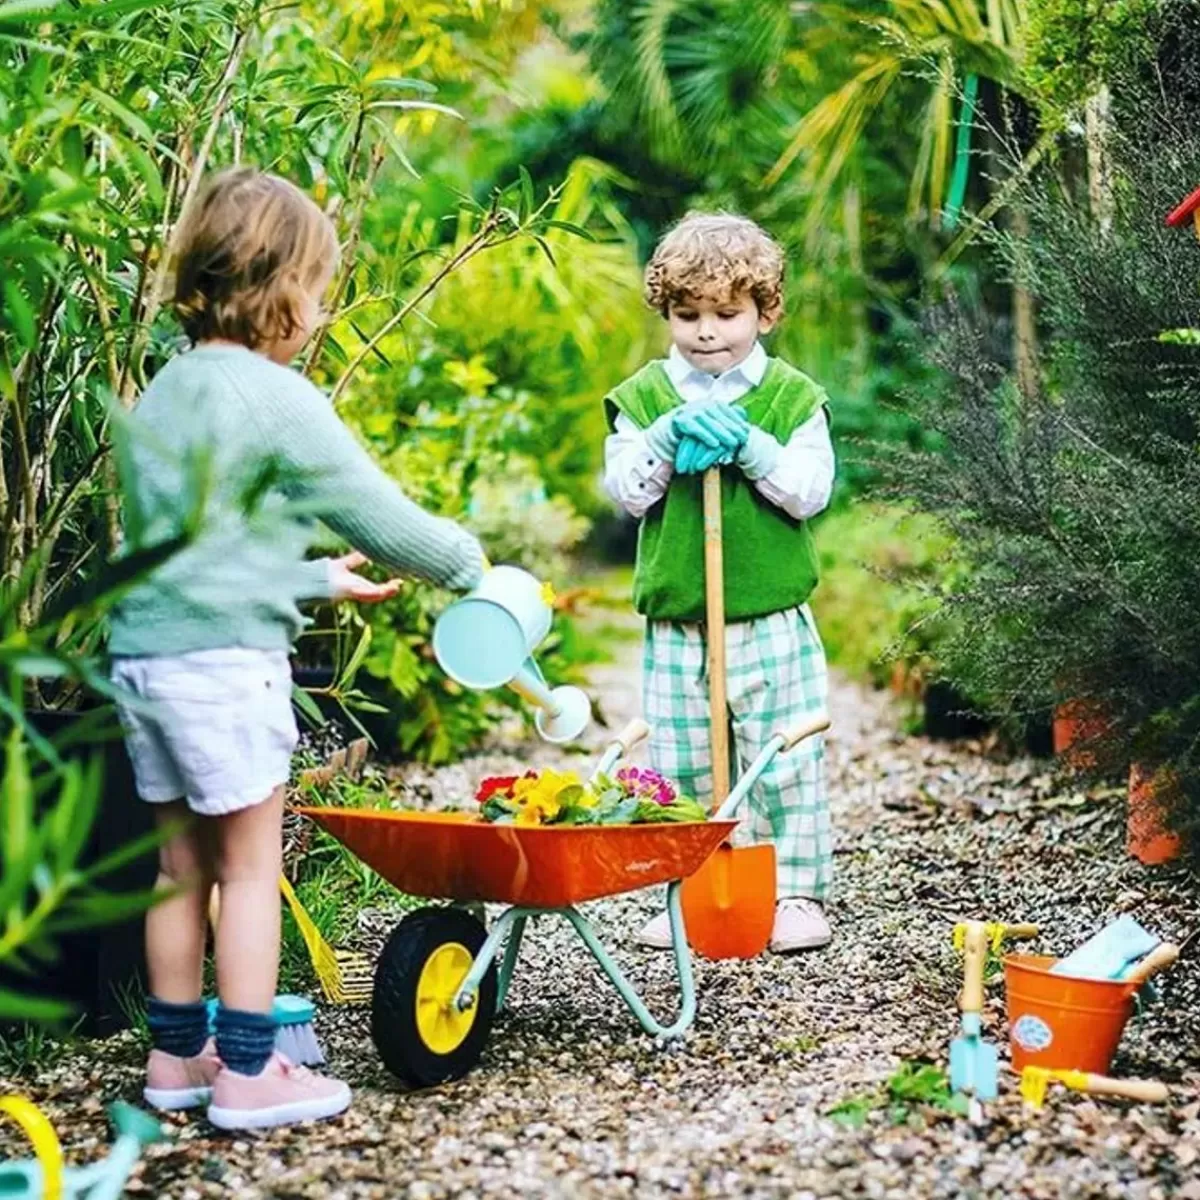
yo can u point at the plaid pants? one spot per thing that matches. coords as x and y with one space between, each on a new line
775 668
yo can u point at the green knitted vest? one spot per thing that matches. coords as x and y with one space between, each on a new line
770 558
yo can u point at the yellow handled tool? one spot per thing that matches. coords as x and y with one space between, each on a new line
997 934
1036 1080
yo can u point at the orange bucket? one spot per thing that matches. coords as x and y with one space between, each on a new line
1063 1023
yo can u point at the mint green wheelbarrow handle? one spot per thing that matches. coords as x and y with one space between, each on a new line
810 726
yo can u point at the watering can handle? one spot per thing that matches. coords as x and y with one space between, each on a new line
635 732
1157 960
806 729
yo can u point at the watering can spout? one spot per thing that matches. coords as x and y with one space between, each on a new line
487 639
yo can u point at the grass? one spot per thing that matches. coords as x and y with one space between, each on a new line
915 1088
27 1050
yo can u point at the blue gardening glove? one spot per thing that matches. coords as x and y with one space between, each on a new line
716 425
694 456
759 454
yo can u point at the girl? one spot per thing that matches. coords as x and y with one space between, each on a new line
229 440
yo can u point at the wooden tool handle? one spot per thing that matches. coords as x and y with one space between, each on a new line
974 955
636 731
1149 1091
1026 930
714 594
1158 958
793 737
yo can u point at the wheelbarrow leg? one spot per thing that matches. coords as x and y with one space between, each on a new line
511 949
511 925
683 963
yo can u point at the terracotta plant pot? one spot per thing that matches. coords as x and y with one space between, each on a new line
1077 723
1150 840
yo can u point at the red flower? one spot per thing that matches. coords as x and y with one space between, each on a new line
495 785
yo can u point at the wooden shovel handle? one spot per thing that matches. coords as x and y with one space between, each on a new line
793 737
1149 1091
635 732
714 595
1158 959
974 956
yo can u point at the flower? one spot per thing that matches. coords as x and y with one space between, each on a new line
538 795
495 785
646 784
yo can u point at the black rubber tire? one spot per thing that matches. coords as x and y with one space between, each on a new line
394 1001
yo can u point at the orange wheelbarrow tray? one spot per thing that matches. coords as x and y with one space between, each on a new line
442 977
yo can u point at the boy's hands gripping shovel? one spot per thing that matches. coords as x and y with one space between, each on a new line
729 904
973 1065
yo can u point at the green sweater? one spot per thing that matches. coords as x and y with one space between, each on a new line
220 424
770 558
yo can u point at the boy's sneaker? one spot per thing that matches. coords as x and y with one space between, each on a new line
282 1094
656 933
800 924
174 1083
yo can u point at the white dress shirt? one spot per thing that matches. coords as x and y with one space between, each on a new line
800 482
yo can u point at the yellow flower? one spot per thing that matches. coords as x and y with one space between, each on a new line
537 800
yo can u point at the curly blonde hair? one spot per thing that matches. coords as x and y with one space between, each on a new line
716 253
253 249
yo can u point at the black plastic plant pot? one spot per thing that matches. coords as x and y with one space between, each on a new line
99 971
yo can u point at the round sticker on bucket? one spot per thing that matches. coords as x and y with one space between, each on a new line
1032 1033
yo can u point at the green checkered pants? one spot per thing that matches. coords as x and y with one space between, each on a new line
775 667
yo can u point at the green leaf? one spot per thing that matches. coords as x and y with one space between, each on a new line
24 322
569 227
135 124
403 84
356 659
136 849
104 908
308 706
541 241
17 798
527 196
15 1006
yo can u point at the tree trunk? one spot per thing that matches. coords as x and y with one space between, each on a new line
1099 167
1024 318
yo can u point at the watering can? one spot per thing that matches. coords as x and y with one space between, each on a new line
487 639
48 1179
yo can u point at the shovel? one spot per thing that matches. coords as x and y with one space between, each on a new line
973 1063
729 904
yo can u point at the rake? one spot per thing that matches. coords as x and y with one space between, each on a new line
346 976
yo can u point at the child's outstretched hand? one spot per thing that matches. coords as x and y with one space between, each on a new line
347 585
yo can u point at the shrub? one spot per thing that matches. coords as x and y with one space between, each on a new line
1075 504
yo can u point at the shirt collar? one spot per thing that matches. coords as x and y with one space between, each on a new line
752 368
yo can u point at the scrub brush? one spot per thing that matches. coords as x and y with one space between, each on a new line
295 1035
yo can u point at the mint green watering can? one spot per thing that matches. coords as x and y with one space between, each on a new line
486 640
48 1179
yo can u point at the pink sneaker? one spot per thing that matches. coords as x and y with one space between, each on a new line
281 1095
173 1082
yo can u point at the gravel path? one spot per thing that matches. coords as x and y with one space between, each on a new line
572 1101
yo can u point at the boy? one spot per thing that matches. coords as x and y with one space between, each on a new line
718 398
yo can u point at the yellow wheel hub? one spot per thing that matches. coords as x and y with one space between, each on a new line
443 1028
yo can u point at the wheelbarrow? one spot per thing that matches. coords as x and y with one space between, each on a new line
442 976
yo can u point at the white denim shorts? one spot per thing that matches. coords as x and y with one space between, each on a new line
214 728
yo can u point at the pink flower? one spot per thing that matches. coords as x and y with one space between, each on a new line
646 784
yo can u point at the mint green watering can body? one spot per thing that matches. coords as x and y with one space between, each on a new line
486 640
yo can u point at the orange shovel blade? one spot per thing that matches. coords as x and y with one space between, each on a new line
729 904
